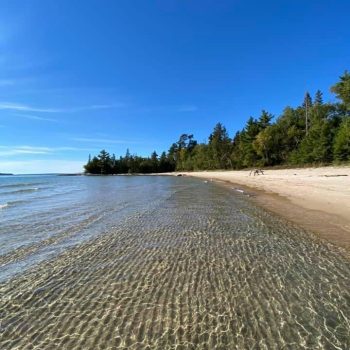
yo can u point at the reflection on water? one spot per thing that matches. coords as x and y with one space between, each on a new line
187 265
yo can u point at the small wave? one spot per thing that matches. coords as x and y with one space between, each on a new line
25 190
21 184
11 204
238 190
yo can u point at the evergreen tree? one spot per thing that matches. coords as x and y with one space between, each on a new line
265 119
310 133
342 89
318 98
307 104
247 137
154 162
165 164
316 147
342 141
93 167
220 147
104 162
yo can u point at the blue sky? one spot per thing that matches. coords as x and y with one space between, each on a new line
79 76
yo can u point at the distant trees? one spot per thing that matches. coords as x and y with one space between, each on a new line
105 164
314 132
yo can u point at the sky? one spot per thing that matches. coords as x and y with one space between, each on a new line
80 76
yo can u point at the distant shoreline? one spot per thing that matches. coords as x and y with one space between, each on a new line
317 199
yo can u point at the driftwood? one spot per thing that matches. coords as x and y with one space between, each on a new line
335 175
256 172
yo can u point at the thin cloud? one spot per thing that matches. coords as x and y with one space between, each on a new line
8 151
97 140
92 107
171 108
68 148
35 117
27 108
22 150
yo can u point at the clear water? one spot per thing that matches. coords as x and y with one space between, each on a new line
161 263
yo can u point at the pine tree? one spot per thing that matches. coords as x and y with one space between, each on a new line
342 141
342 89
154 162
265 119
220 147
318 98
307 106
104 162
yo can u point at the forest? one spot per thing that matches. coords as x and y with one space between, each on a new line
314 133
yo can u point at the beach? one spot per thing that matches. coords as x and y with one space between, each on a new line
318 199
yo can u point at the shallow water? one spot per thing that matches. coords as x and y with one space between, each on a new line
163 263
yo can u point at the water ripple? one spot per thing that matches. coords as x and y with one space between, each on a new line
199 269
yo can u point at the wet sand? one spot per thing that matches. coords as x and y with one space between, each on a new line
318 199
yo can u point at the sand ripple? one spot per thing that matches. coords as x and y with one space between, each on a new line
204 269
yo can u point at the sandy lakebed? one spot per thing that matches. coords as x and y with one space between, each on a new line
318 199
166 263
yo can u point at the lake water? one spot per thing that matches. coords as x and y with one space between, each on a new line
156 262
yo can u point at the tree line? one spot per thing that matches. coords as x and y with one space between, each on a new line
313 133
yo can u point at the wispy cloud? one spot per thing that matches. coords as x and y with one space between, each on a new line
99 140
170 108
27 108
35 117
92 107
69 148
8 151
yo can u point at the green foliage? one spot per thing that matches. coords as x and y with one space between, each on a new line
342 89
342 141
182 152
314 132
307 101
219 147
105 164
316 147
318 98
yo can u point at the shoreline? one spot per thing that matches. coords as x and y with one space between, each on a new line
316 199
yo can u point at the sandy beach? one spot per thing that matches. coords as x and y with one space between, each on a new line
318 199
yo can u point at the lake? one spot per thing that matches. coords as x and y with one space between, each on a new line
161 262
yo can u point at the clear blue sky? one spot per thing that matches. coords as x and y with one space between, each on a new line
79 76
